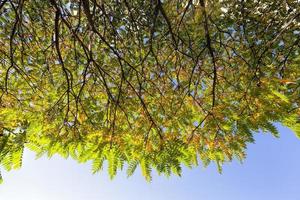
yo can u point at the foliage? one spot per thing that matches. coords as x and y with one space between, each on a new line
156 84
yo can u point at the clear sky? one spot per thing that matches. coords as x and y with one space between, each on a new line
270 172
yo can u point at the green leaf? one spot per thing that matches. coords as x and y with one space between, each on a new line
132 167
281 96
112 163
146 169
17 158
1 178
270 127
97 164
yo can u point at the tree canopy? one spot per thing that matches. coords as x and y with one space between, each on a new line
156 83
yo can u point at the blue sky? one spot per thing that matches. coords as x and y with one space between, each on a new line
271 171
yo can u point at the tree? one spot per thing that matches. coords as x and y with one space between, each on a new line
151 83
